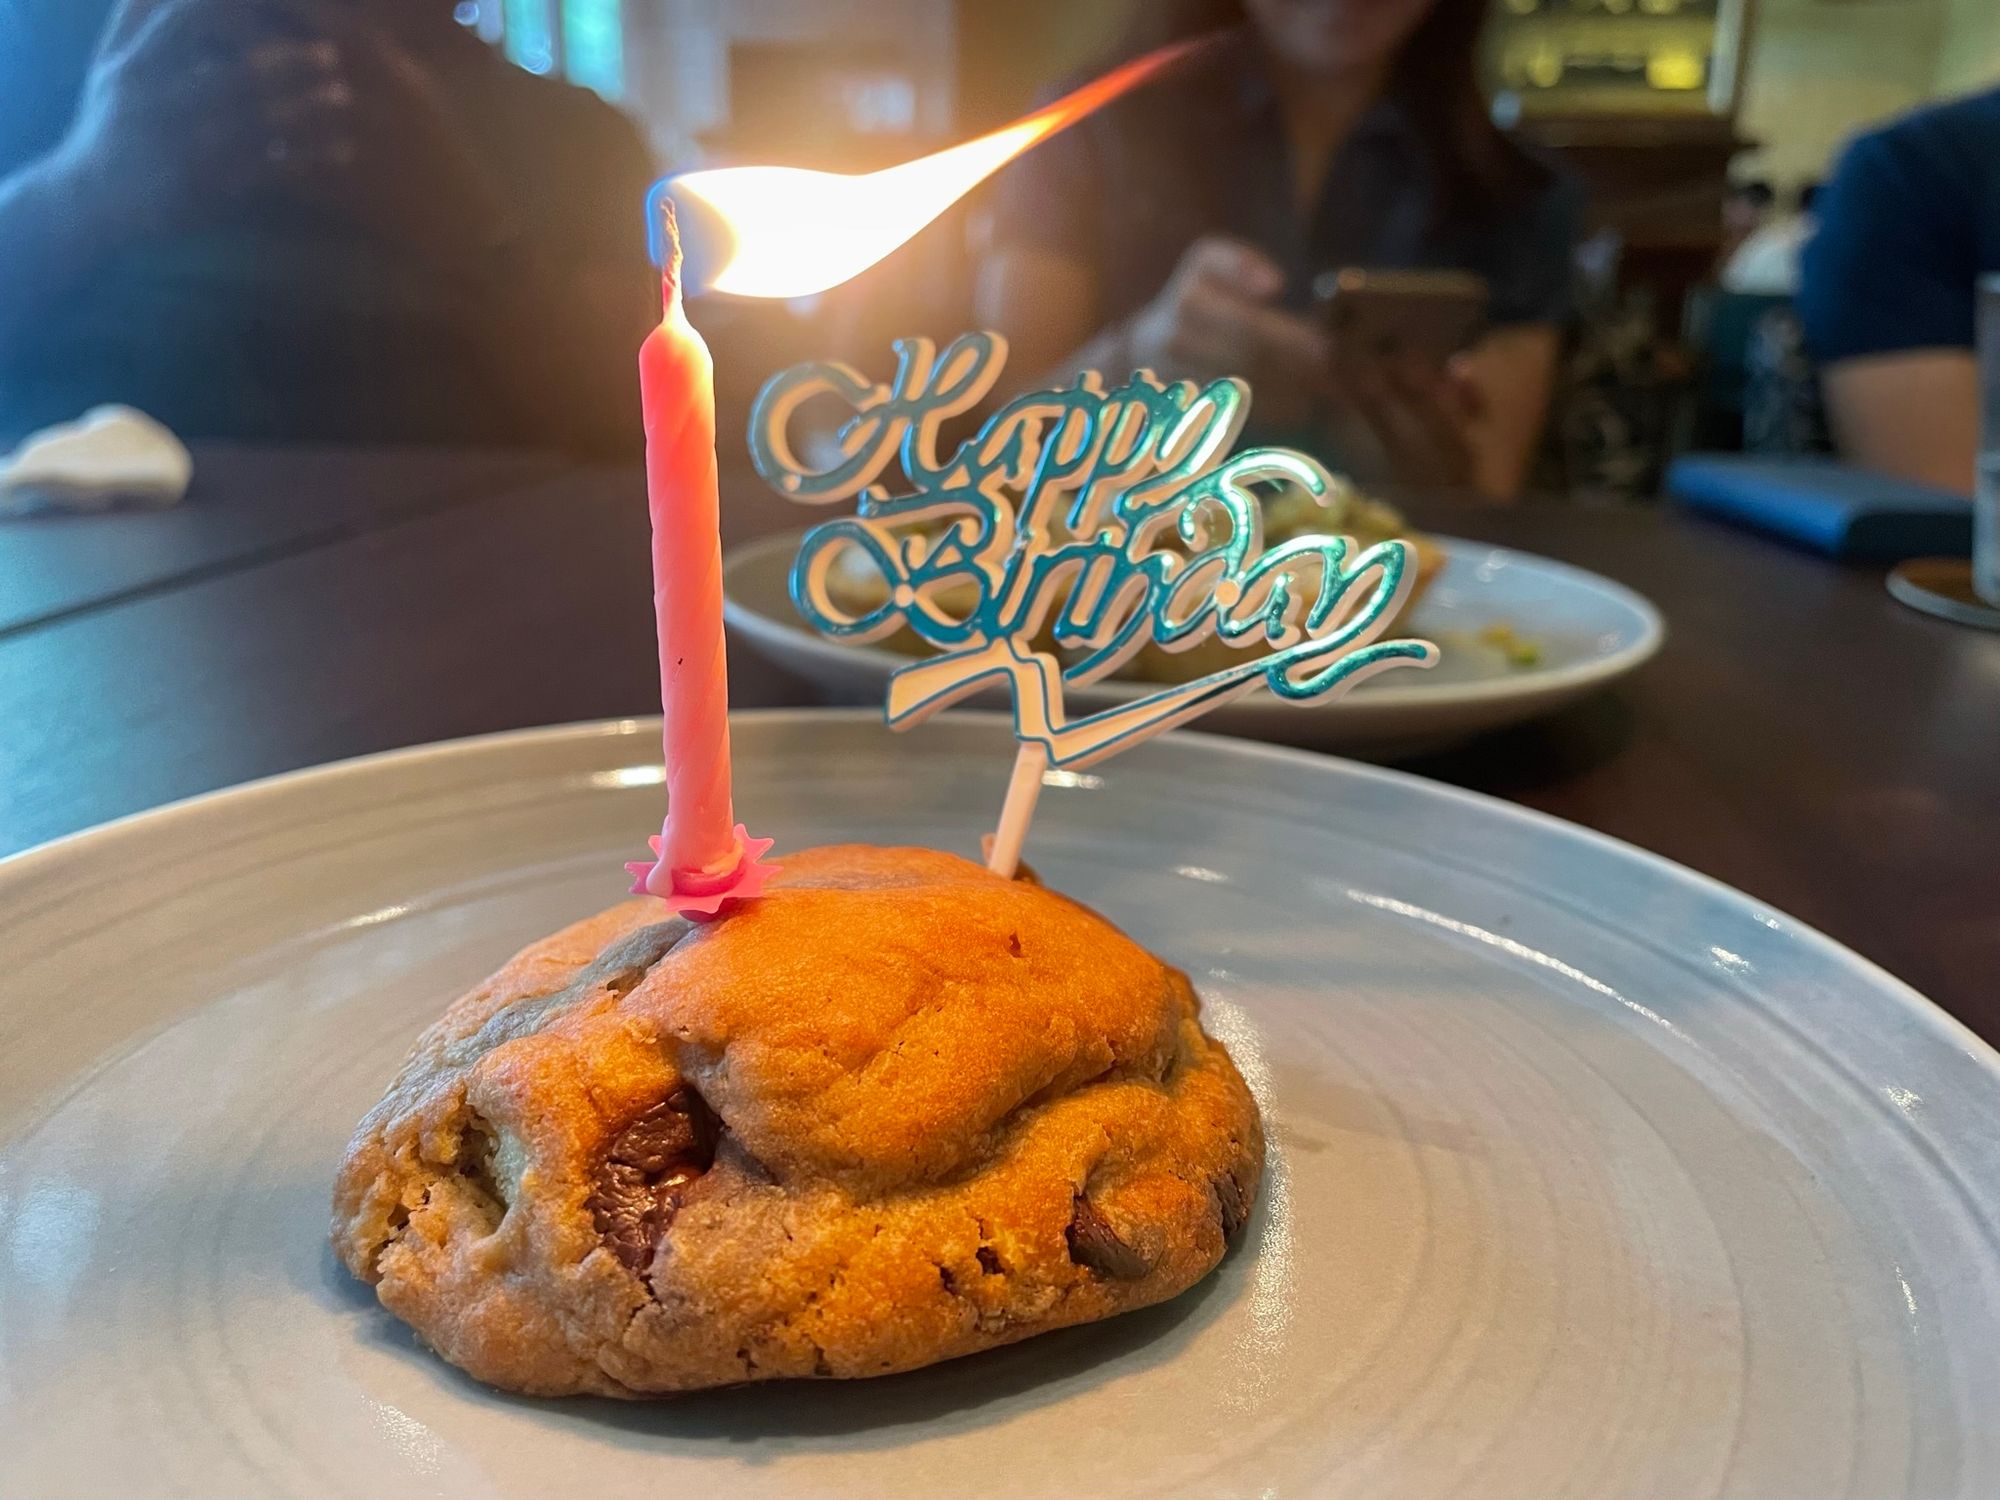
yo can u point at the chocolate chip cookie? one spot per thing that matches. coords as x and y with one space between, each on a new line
895 1111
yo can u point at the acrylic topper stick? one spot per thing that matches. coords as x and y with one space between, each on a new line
1078 526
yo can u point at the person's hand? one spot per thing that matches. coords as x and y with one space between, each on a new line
1421 415
193 104
190 104
1215 318
417 174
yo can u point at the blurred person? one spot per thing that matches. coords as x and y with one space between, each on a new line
1766 264
343 220
1746 207
1907 225
1182 229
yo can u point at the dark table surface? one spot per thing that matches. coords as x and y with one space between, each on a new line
245 506
1801 736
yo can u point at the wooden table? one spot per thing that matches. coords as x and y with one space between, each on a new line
244 507
1801 737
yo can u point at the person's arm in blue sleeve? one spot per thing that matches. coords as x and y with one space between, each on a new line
45 225
183 104
1887 296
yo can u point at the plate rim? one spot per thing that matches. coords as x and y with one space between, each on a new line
1385 697
28 863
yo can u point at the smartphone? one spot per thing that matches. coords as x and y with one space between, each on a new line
1382 314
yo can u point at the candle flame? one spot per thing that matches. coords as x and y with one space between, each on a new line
797 232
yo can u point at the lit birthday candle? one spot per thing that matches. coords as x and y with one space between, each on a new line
703 857
788 233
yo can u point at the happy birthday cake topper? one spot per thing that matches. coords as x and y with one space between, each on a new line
1077 526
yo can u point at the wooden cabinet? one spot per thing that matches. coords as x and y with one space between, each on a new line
1676 58
1639 98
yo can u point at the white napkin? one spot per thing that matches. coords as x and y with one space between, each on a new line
114 456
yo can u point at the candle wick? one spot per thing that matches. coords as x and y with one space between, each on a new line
670 248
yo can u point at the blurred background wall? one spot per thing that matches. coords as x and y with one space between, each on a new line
1658 105
856 82
1971 55
755 77
1819 69
850 80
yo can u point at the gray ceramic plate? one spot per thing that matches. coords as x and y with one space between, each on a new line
1587 631
1588 1177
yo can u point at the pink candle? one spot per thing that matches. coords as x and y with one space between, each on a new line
703 856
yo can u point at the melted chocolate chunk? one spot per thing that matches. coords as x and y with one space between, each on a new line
478 1153
1094 1243
647 1174
665 1134
1231 1203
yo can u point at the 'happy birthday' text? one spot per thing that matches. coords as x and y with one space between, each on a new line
1094 520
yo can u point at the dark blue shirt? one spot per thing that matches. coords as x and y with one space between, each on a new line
45 49
1205 151
281 318
1907 226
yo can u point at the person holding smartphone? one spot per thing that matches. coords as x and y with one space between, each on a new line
1185 228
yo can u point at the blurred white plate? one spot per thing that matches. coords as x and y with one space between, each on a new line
1588 630
1589 1178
